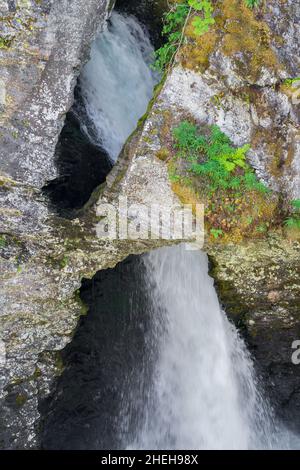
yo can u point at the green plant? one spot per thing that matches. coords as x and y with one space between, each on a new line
252 3
262 228
64 261
213 157
175 21
202 23
296 204
291 81
293 221
216 233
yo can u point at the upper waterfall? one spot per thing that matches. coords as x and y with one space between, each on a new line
117 83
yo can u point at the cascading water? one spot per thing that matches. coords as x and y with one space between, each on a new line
203 393
117 83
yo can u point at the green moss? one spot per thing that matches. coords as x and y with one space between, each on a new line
21 399
236 31
64 261
5 43
163 153
83 307
37 373
245 34
59 363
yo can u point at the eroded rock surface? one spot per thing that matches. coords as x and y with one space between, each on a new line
42 48
258 284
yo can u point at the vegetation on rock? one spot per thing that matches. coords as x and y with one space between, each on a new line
206 167
293 221
175 22
193 28
252 3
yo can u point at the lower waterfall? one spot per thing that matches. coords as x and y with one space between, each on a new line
203 392
157 365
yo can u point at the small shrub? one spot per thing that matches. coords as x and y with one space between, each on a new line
174 24
215 158
207 165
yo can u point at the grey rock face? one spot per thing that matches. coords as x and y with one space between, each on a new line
48 43
42 48
258 284
247 115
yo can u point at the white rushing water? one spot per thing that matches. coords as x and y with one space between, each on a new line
117 83
203 393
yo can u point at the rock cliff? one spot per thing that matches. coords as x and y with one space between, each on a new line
237 76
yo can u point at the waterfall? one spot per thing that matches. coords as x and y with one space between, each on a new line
203 392
117 83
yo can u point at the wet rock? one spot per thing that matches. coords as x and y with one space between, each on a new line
259 284
43 46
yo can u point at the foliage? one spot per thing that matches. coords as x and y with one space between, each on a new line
206 167
202 23
291 81
174 23
252 3
296 204
216 232
212 156
293 222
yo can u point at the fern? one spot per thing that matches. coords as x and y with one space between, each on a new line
215 232
252 3
215 158
293 222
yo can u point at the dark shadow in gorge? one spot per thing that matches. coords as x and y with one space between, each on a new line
109 357
82 165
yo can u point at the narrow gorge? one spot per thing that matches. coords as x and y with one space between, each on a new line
145 342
